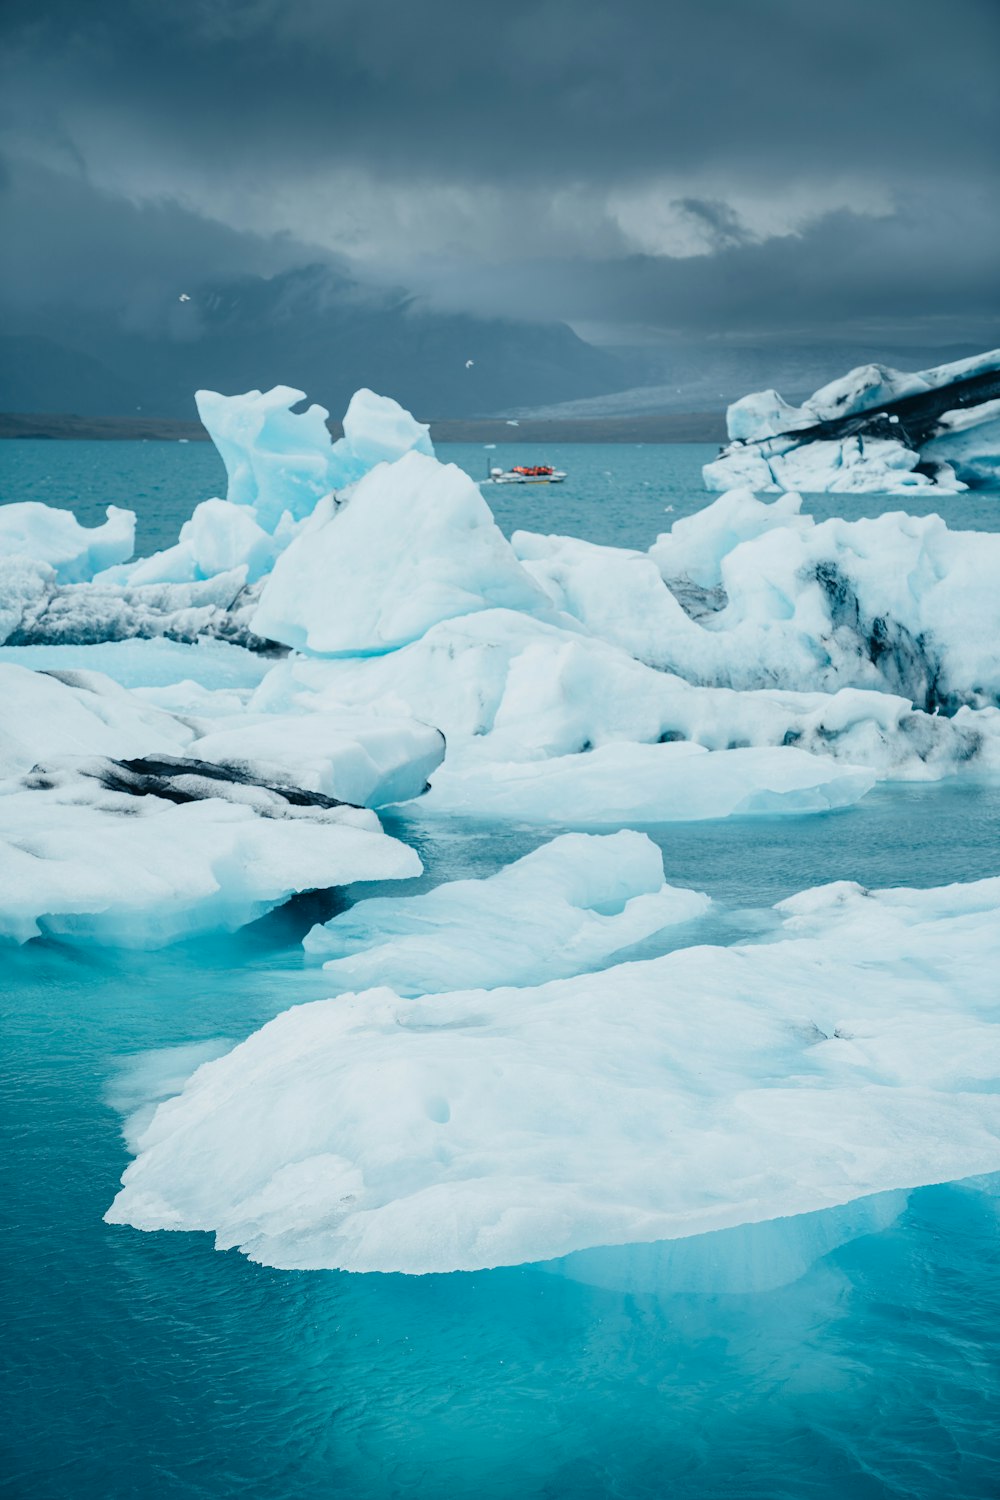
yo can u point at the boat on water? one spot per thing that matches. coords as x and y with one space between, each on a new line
526 474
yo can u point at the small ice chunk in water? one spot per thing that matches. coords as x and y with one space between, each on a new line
564 908
74 552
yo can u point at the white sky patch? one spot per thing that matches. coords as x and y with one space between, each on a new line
659 218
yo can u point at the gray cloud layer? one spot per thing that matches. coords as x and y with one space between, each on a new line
711 164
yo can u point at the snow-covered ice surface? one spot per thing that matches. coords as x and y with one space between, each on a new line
78 713
853 1053
756 595
563 909
368 759
873 430
505 688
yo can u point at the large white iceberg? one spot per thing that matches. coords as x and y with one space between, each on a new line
281 465
563 909
874 429
855 1052
415 544
142 852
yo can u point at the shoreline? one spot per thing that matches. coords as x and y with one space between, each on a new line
667 427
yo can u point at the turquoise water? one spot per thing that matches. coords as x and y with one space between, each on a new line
151 1366
616 493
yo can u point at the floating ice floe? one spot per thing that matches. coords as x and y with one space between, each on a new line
55 537
36 610
364 759
141 852
854 1053
644 784
560 910
875 429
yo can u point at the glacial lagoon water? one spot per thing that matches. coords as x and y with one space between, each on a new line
151 1365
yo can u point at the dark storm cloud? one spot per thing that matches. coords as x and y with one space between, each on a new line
65 240
550 88
877 121
888 275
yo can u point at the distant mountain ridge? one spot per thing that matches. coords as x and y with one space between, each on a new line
708 375
311 328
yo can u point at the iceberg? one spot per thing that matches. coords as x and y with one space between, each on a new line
284 471
36 610
854 1052
563 909
577 685
219 537
185 847
874 429
413 545
281 461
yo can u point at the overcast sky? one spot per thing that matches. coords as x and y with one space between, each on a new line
794 168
